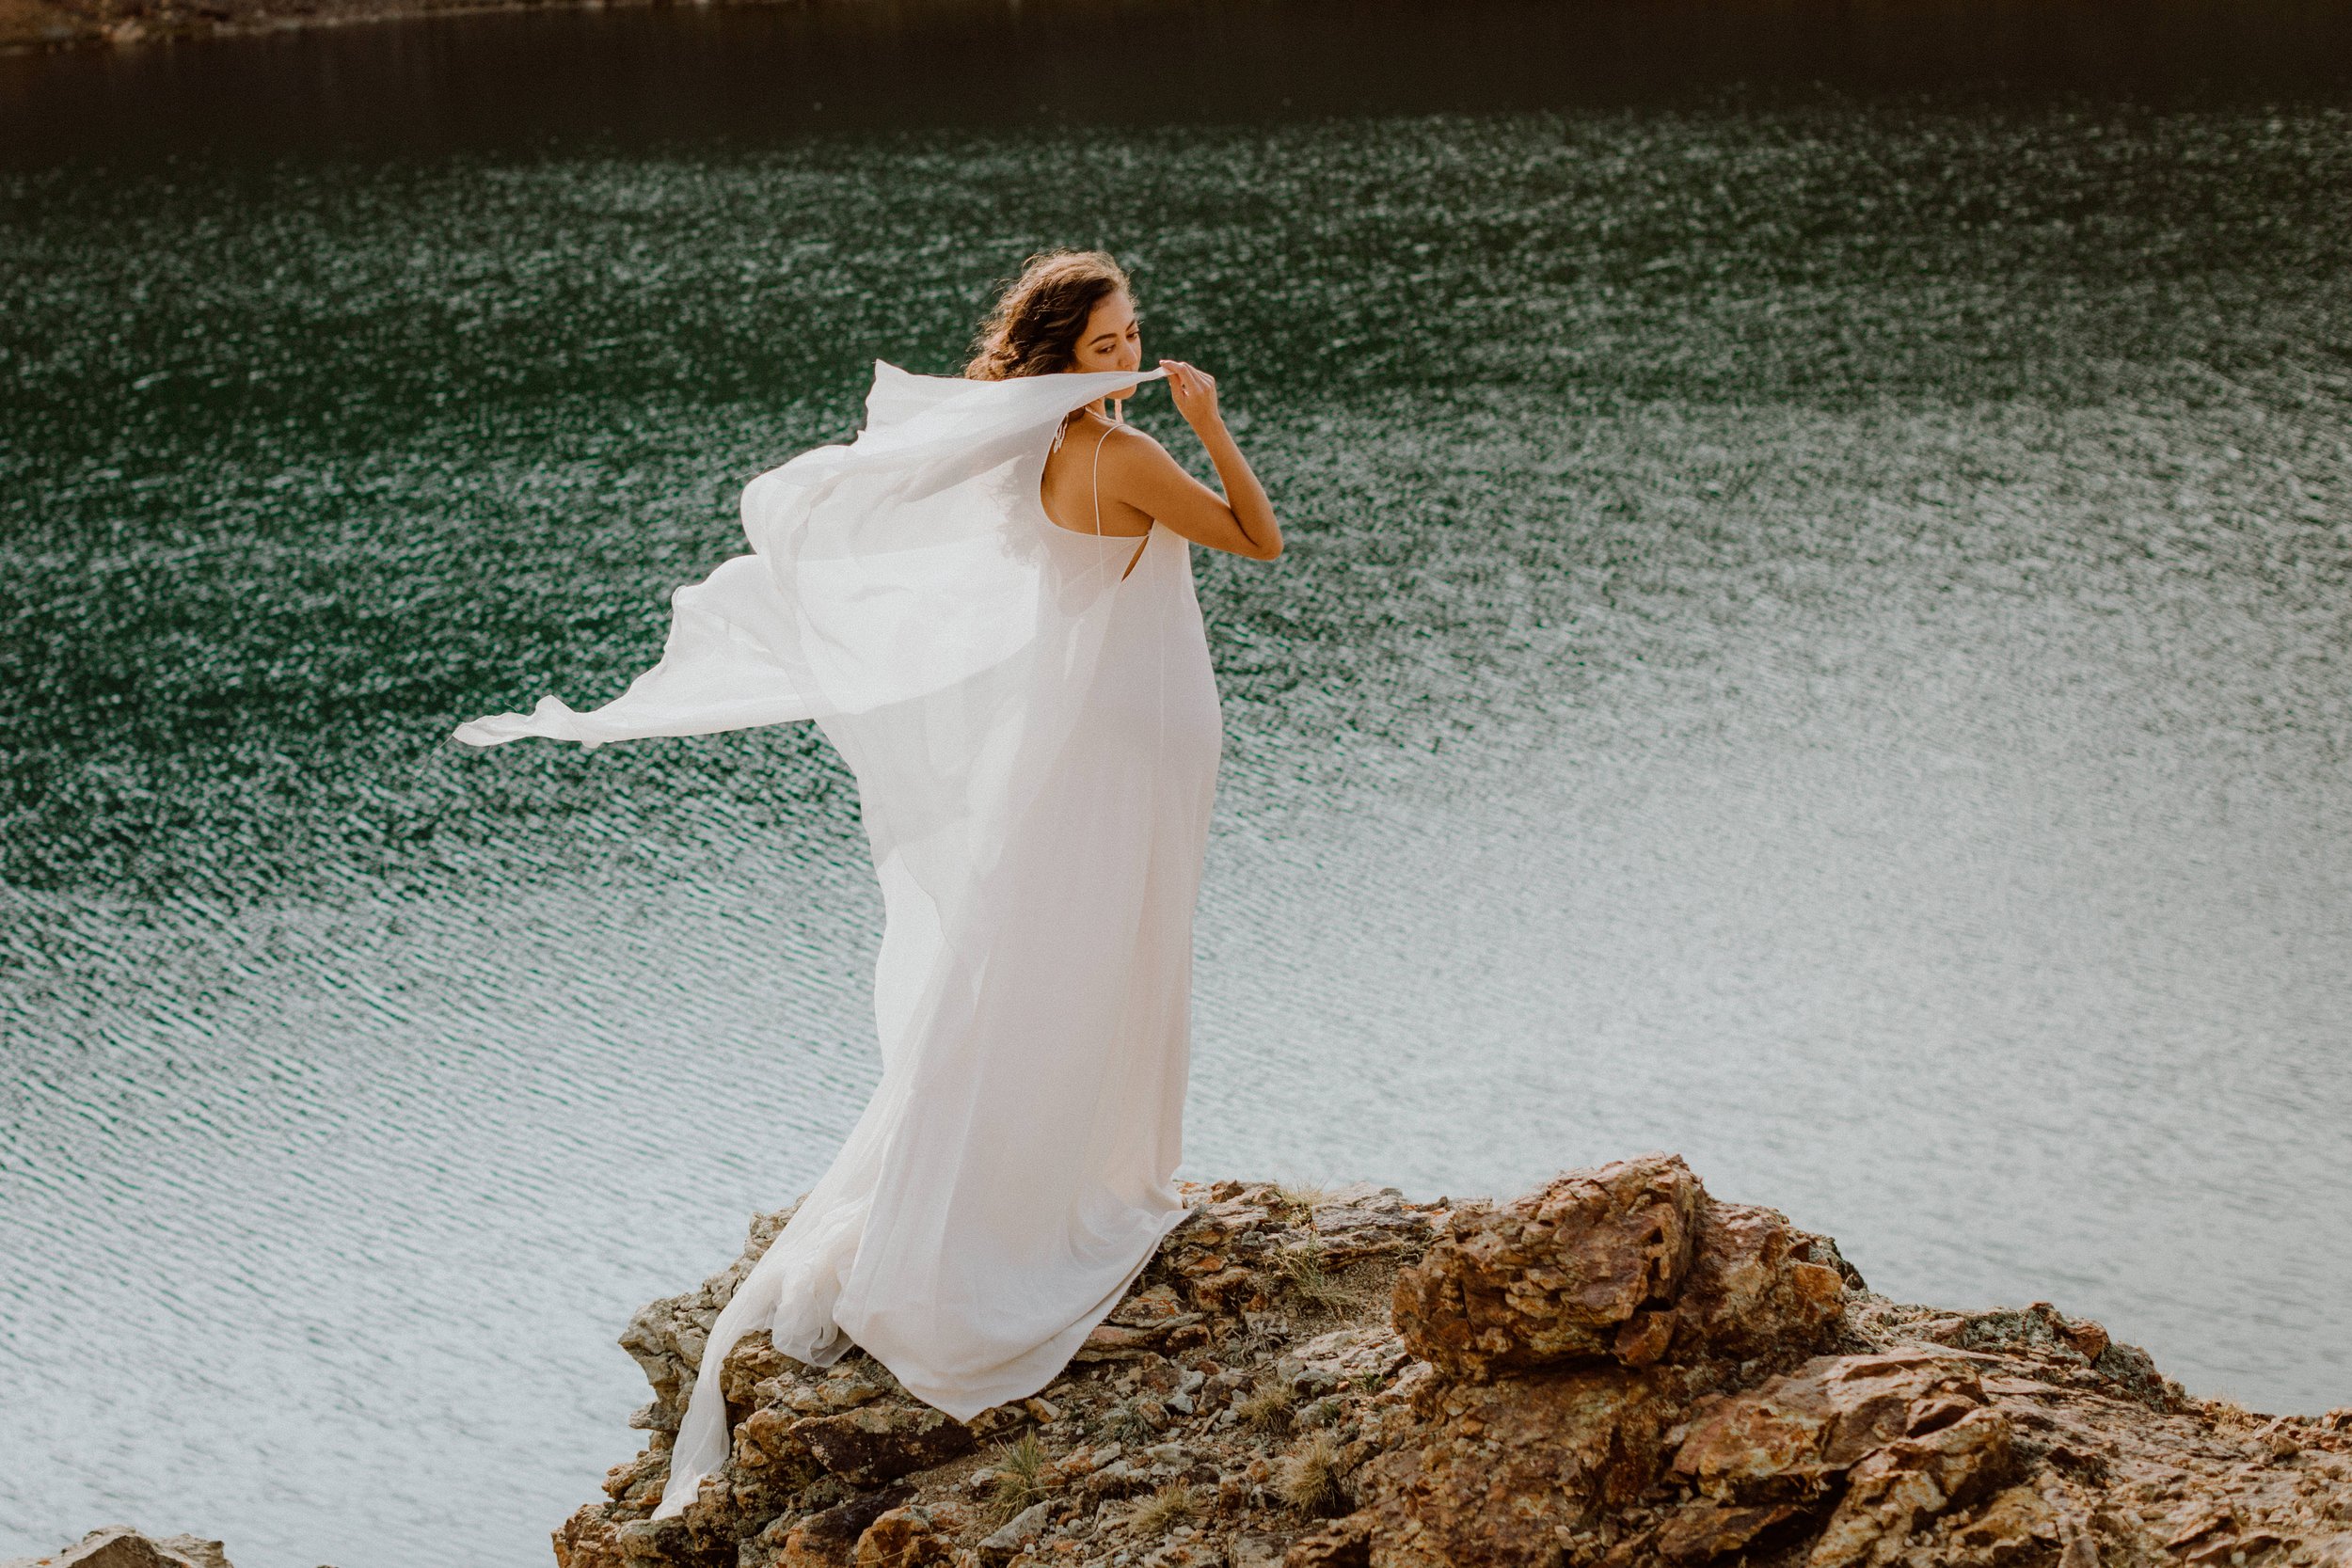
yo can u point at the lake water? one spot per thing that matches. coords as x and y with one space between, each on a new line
1815 635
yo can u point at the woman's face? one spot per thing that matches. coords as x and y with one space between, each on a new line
1113 338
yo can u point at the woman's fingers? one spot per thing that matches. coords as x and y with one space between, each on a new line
1188 383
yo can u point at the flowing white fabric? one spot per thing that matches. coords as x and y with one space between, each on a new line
1036 739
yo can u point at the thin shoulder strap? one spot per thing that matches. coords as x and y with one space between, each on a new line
1098 480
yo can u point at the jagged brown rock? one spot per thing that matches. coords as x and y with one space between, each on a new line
1752 1290
828 1538
1910 1479
1795 1433
901 1537
1587 1266
1567 1334
1503 1471
1701 1531
873 1445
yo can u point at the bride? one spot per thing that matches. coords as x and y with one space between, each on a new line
986 602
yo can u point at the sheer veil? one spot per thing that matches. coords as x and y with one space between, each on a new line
899 568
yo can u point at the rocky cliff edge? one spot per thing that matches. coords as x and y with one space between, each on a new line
1616 1371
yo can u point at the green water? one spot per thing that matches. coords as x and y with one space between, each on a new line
1815 634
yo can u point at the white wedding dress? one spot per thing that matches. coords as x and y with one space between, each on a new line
1036 739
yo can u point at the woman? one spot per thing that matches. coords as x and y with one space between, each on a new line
1027 703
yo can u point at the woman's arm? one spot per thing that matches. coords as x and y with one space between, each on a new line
1149 480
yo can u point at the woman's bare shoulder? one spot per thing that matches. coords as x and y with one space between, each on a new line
1120 446
1135 438
1132 451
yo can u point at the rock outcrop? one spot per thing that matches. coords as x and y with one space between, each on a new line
1616 1371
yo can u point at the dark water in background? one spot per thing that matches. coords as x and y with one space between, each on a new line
1815 635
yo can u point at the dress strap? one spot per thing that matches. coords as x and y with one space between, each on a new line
1098 501
1098 480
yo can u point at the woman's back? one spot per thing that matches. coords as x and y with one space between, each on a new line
1070 492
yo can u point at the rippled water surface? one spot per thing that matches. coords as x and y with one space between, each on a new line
1815 635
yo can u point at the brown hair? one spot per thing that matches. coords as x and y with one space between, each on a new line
1034 328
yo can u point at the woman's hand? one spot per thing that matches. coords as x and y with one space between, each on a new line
1195 391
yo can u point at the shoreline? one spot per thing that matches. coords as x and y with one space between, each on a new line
1615 1369
38 27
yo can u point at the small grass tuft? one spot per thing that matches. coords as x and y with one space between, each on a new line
1310 1280
1164 1510
1311 1478
1301 1195
1267 1407
1021 1468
